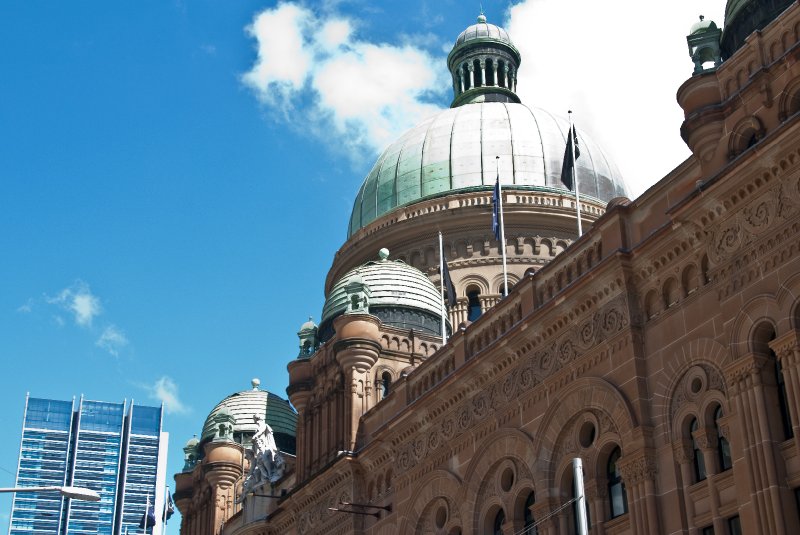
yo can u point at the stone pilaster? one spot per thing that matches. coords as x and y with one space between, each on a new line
639 470
748 400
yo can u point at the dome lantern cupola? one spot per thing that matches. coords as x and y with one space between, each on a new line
703 41
484 65
309 342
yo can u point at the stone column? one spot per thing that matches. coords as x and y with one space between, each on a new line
471 68
483 73
639 470
505 77
787 349
596 492
541 511
682 451
764 514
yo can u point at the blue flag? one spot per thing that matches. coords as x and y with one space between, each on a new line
148 519
496 209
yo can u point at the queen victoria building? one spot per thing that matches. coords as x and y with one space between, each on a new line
661 347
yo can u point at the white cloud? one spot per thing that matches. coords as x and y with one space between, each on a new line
166 391
112 340
26 308
358 95
80 302
618 70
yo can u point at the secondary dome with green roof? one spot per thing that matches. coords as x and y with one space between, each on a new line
276 411
399 294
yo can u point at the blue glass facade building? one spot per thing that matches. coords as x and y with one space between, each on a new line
116 449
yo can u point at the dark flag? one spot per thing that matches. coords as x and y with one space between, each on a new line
169 507
148 519
496 209
566 167
447 282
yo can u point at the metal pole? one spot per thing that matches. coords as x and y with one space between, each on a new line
580 497
572 136
441 281
502 228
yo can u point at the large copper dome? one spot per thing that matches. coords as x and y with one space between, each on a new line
455 150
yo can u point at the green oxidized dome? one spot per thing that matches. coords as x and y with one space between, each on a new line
399 294
743 17
276 411
455 150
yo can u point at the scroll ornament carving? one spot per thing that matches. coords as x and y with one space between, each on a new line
313 518
726 239
603 324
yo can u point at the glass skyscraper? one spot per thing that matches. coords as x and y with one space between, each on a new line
116 449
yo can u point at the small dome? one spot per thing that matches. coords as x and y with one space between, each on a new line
276 411
192 442
702 25
455 150
400 295
483 30
308 326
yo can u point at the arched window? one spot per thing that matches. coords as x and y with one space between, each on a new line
467 78
780 380
723 446
476 64
386 383
616 488
489 72
528 516
499 520
697 456
501 73
777 401
474 307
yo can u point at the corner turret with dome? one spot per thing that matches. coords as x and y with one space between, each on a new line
241 406
399 294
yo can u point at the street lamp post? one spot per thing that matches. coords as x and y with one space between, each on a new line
76 493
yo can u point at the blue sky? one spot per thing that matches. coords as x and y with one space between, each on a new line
175 176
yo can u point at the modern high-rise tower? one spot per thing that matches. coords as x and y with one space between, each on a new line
116 449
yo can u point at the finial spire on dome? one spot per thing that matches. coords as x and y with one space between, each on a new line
256 382
482 15
383 254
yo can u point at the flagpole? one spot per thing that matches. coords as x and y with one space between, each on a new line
146 510
441 280
572 135
502 228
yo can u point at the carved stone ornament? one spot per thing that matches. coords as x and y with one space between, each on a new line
604 324
267 464
640 469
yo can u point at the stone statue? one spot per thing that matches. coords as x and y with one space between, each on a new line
266 462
